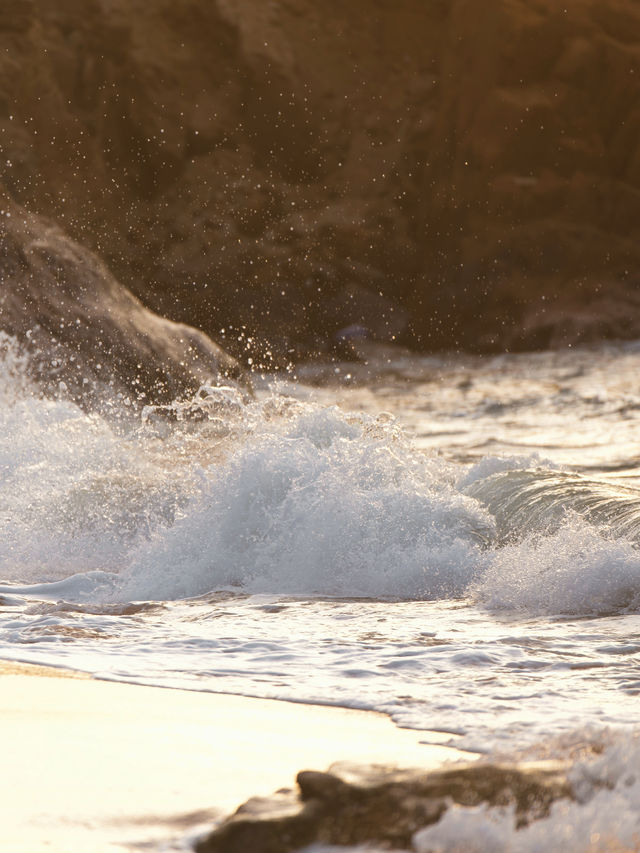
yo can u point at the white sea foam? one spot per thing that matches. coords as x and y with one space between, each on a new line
604 816
490 465
289 494
75 491
281 496
576 570
322 503
74 495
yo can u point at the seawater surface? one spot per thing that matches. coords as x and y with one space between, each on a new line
452 540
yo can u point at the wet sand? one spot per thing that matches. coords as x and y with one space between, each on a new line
105 766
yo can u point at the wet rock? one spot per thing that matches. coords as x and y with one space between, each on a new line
85 333
349 806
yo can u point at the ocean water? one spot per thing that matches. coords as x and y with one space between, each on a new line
451 540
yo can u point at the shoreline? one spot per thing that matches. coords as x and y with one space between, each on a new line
110 766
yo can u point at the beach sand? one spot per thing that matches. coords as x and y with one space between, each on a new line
105 766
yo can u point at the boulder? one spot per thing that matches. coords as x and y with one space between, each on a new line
83 331
385 806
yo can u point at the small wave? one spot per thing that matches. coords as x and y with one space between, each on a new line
93 585
265 495
565 544
523 501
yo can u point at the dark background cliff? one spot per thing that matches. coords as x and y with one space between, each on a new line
453 173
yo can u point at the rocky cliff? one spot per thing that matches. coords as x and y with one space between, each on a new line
443 173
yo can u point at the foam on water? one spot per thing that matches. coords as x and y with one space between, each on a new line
75 494
299 551
576 570
300 499
321 503
603 816
275 495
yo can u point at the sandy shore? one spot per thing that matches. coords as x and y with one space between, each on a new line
103 766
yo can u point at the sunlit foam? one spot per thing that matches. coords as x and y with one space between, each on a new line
321 503
576 570
601 815
275 495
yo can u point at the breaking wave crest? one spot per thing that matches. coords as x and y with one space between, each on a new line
275 495
565 544
323 504
576 570
540 500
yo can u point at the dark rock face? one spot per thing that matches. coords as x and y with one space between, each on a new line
442 177
84 329
379 805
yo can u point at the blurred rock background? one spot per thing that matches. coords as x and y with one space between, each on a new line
443 173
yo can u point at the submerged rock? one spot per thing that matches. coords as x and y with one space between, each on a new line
379 805
85 332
